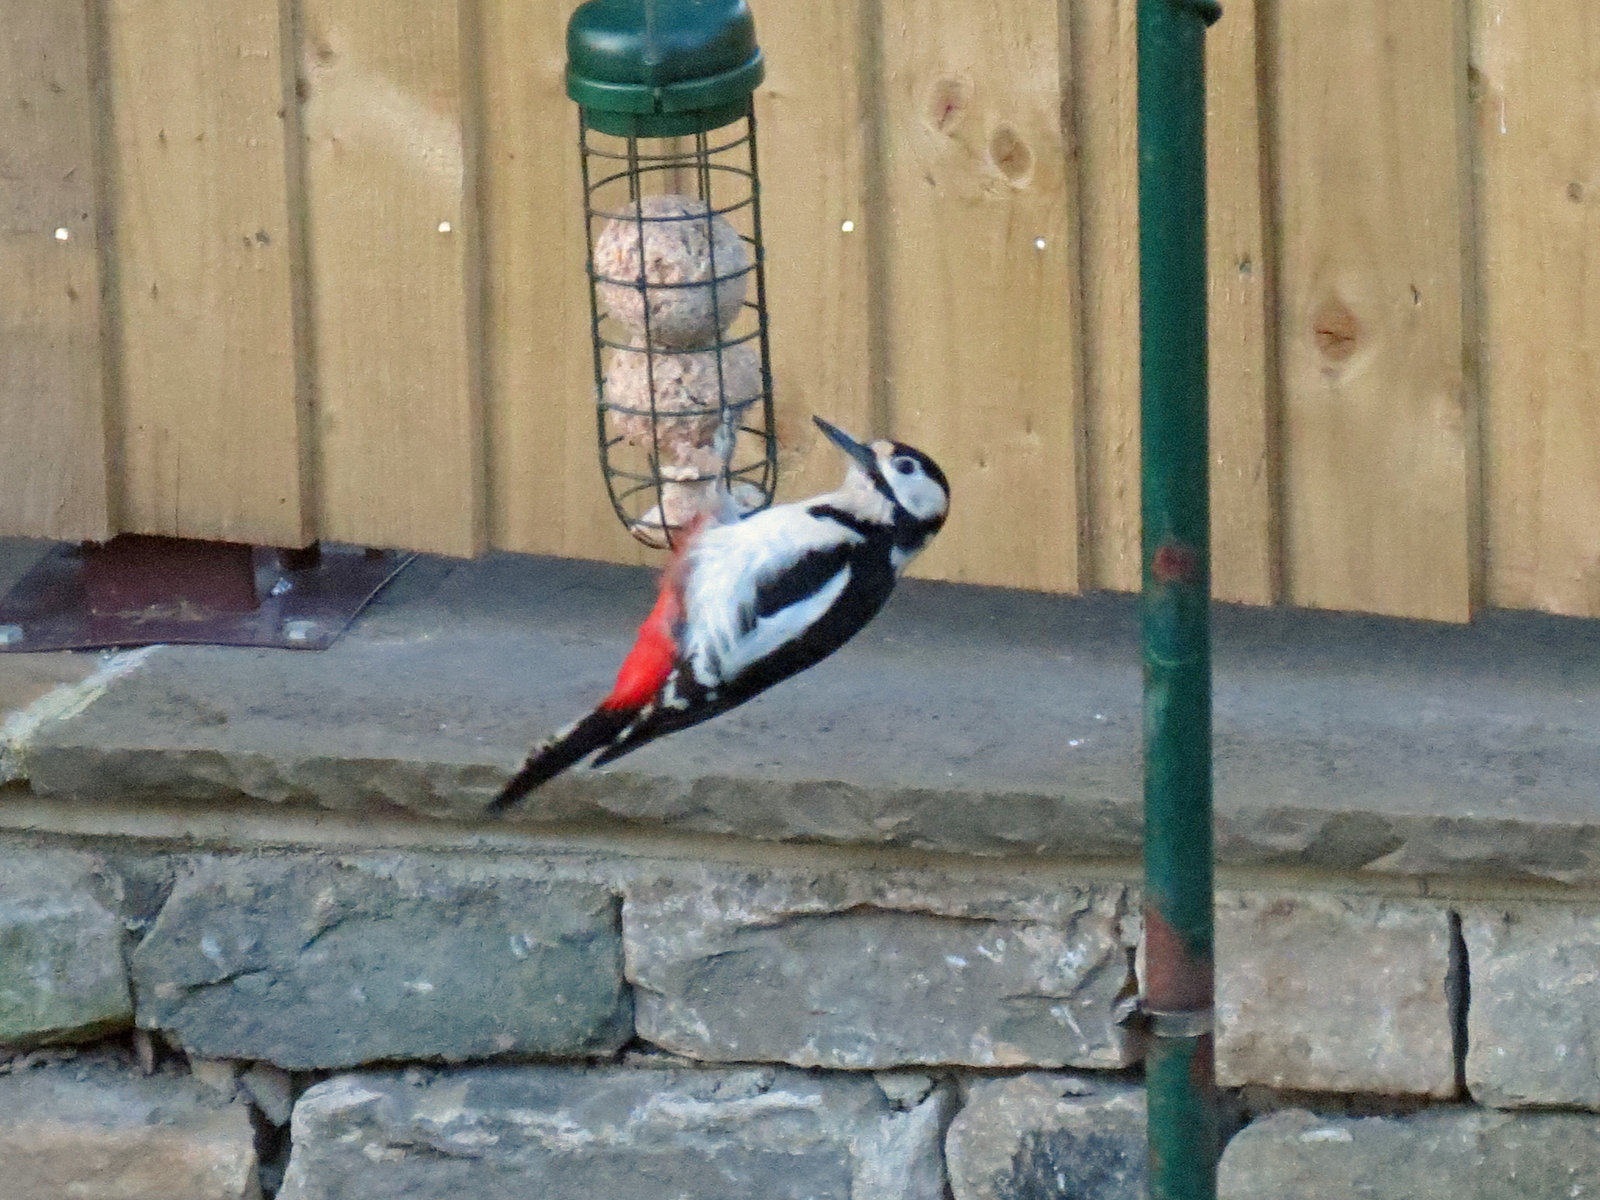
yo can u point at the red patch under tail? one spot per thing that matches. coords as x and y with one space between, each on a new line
655 650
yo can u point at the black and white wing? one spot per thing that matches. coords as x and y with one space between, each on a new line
764 599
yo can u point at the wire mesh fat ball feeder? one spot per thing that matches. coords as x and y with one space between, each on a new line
677 294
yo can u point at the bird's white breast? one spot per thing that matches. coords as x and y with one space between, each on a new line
728 564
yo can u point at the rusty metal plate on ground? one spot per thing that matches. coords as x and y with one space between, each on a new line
145 591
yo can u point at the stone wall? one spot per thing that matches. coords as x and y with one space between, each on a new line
632 1018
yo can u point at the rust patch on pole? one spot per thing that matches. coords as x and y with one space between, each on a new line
1176 979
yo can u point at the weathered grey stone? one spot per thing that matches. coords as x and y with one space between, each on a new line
905 1089
321 962
904 1156
1038 1135
967 720
221 1075
87 1131
1333 993
1446 1154
271 1090
618 1133
1533 1026
36 689
62 974
877 970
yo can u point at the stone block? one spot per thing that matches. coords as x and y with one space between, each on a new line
1533 1026
1038 1135
309 962
62 974
1333 993
614 1132
903 1156
221 1075
35 689
859 970
1445 1154
271 1090
82 1131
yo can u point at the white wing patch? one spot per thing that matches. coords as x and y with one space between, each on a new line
728 563
785 625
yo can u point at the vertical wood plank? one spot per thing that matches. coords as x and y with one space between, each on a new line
53 480
1537 74
1244 484
1368 101
1105 98
981 313
395 311
812 115
210 411
546 492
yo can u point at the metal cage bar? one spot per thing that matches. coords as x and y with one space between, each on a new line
666 449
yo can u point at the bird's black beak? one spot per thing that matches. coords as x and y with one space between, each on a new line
856 450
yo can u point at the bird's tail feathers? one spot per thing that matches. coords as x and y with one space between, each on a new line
658 721
560 751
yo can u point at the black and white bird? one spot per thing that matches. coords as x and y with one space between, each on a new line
748 603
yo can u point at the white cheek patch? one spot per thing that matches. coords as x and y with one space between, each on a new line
920 496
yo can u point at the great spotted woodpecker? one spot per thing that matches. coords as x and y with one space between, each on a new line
747 603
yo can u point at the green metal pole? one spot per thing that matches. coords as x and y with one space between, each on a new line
1175 613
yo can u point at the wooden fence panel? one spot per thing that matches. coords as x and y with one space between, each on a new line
53 480
1245 547
1105 100
362 316
1537 67
209 410
1245 555
981 311
546 492
818 172
1368 102
396 318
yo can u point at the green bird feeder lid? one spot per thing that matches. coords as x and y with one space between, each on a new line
662 68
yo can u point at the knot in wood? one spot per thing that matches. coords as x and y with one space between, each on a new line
948 101
1335 329
1011 156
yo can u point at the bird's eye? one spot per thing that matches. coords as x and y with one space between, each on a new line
905 465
